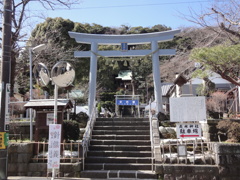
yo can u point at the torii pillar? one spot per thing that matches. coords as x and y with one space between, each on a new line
129 39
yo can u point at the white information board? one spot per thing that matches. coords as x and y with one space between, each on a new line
54 144
50 118
188 130
184 109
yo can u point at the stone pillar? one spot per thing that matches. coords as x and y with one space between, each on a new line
156 77
92 77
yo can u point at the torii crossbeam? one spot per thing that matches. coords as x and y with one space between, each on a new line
129 39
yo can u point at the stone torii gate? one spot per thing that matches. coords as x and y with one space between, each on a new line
124 40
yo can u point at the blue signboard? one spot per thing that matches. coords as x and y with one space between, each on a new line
127 102
124 46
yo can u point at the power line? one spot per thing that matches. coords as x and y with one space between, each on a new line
133 5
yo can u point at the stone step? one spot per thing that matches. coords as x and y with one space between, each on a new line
121 137
120 153
123 119
120 142
117 166
99 159
121 128
119 148
120 132
122 123
120 174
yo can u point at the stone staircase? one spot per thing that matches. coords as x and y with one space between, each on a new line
120 148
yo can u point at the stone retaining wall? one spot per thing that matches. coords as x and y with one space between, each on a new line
227 166
20 163
228 160
190 172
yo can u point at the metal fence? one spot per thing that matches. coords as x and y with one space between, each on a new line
70 152
191 151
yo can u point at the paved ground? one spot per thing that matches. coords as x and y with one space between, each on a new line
49 178
44 178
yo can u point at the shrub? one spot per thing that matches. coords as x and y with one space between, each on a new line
82 119
71 130
231 129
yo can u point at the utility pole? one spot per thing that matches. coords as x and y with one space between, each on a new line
5 79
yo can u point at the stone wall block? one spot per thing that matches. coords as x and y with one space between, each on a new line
168 169
37 174
12 148
169 177
23 168
24 158
12 157
158 169
25 148
223 170
236 159
35 167
234 170
76 167
66 167
12 167
180 177
222 159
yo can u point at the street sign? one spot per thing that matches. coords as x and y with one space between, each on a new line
127 102
124 46
50 118
54 145
2 144
184 109
6 139
188 130
182 150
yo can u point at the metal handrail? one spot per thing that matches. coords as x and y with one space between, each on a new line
191 145
151 134
88 134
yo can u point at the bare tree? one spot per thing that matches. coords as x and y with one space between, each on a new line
225 15
21 16
216 103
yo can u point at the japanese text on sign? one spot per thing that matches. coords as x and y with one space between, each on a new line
54 146
188 130
2 145
50 118
127 102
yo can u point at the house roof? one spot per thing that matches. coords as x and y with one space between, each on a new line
166 87
125 75
180 80
48 103
76 94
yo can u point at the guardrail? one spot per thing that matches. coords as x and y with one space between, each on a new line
151 135
70 152
88 135
187 151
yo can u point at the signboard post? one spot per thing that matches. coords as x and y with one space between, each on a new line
127 102
54 146
124 47
188 109
4 140
50 118
7 113
188 130
2 144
